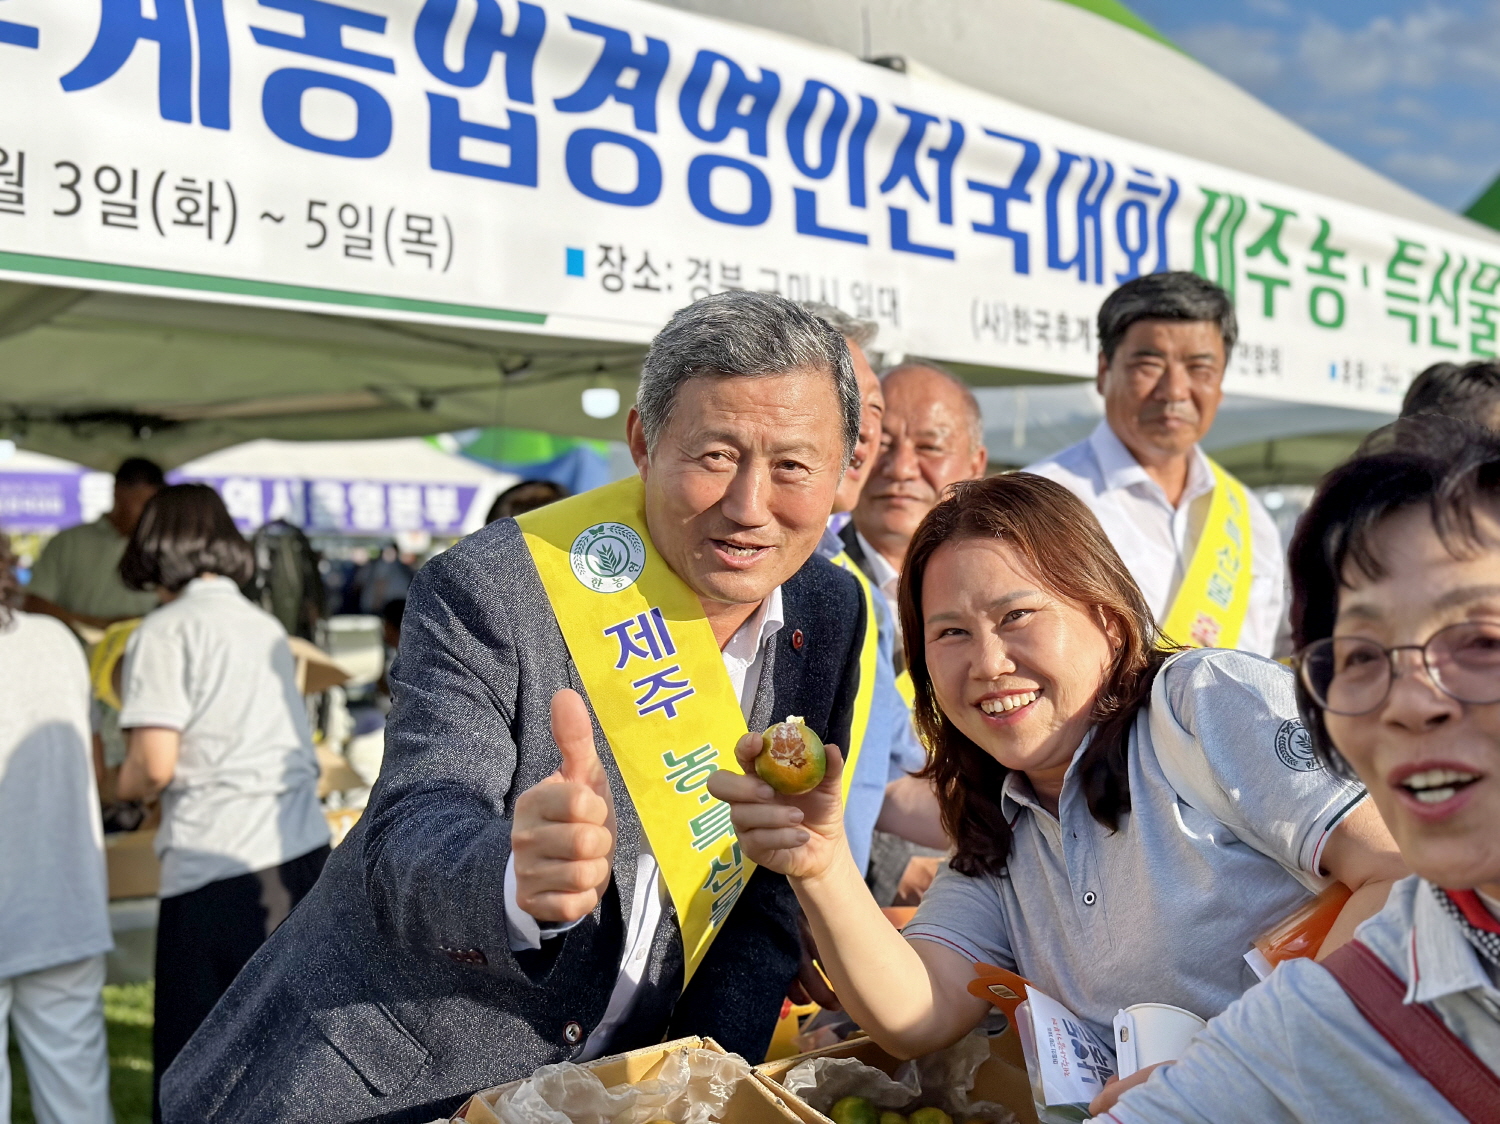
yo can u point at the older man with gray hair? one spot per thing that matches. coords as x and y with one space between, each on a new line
933 436
541 874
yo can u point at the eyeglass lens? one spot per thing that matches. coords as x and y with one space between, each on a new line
1351 676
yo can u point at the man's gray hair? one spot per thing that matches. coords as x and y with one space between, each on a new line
860 332
975 416
742 334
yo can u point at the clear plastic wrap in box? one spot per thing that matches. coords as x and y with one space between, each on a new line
690 1086
939 1080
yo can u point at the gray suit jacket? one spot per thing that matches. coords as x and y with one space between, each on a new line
391 992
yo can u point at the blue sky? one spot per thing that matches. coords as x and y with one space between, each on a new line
1410 87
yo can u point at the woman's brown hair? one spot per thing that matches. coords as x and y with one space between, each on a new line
1061 542
185 531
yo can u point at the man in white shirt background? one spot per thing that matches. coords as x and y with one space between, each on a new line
932 435
77 577
1204 551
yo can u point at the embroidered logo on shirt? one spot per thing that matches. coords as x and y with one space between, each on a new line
607 557
1294 747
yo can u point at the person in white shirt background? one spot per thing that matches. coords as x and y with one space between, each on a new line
931 436
54 919
1164 343
77 577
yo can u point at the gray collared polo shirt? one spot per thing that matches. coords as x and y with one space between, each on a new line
1164 909
1297 1049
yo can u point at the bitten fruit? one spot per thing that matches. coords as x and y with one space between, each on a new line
792 759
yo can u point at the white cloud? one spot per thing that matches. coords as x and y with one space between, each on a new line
1434 168
1415 93
1386 136
1473 131
1249 56
1417 51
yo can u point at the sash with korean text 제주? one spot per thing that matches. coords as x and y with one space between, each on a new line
1211 604
656 681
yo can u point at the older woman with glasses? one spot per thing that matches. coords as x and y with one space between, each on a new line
1396 582
1127 820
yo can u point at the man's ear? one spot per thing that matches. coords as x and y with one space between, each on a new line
635 437
1099 377
981 462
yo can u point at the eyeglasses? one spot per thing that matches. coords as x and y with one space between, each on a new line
1352 676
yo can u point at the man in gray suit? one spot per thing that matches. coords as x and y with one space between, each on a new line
499 906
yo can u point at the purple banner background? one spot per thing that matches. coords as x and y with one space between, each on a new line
359 507
52 501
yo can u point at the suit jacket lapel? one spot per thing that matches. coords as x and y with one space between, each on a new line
763 709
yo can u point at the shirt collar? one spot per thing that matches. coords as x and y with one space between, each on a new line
1119 468
830 546
208 586
1440 959
881 570
755 633
1016 792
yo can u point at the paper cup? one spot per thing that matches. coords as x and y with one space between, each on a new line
1148 1033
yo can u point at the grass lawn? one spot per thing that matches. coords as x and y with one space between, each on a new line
127 1017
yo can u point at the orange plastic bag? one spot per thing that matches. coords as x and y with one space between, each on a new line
1302 933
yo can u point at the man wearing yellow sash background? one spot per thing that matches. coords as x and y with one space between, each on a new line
541 874
1201 547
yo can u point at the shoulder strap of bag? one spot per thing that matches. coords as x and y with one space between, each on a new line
1417 1033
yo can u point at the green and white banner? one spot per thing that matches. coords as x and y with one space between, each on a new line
584 169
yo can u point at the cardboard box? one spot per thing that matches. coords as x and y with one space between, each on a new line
335 773
131 860
341 822
316 669
1002 1079
756 1101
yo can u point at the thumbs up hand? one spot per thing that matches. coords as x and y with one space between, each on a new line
562 838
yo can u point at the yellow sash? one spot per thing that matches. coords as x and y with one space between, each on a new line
864 695
106 655
656 680
1214 598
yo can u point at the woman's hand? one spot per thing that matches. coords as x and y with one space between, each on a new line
799 836
1116 1087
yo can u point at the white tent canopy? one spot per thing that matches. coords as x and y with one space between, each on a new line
113 344
97 376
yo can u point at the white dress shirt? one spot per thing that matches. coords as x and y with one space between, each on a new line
1156 540
887 578
743 656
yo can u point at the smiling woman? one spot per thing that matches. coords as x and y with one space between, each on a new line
1396 572
1125 826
